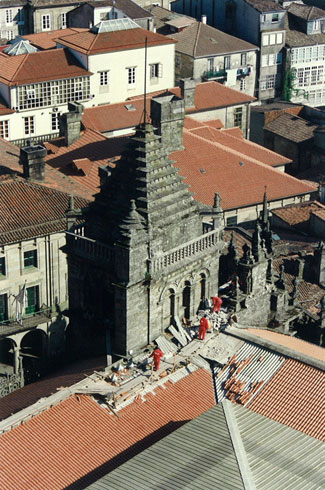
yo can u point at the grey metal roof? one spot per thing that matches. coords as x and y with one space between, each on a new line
261 365
279 457
197 456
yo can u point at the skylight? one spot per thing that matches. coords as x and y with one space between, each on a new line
114 25
20 47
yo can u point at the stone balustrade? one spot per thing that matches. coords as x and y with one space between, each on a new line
189 250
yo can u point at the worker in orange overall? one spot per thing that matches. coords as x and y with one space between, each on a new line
157 354
217 302
204 326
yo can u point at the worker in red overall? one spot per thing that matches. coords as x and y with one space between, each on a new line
217 302
157 354
204 326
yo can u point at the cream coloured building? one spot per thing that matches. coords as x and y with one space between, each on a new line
103 65
32 267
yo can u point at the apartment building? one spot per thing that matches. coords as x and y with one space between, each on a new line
93 67
12 19
305 55
261 22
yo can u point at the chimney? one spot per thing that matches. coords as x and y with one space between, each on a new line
203 19
167 116
187 86
70 123
32 158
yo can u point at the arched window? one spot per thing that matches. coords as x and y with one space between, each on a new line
187 299
171 305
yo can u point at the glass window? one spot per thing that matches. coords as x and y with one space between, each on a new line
156 70
29 125
55 121
272 39
275 17
2 266
10 35
279 38
265 40
3 307
103 78
244 59
46 22
4 129
32 303
279 58
131 76
232 220
238 116
267 82
210 64
30 259
63 20
242 85
8 17
227 62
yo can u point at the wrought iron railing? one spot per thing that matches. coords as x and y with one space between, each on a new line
214 74
11 326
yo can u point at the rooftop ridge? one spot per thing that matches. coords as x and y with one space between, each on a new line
291 353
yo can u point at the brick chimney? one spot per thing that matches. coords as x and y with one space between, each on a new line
32 158
167 115
70 123
187 86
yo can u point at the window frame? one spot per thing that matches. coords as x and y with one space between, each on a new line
3 270
29 125
104 78
238 117
46 22
9 17
131 73
3 307
32 306
55 121
4 129
30 259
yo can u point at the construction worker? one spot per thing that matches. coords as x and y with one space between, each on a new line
204 326
217 302
157 354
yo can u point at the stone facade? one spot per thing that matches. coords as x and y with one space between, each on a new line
142 258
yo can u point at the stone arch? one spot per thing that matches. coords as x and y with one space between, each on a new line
164 293
7 356
33 349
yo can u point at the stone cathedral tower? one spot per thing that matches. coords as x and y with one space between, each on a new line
141 258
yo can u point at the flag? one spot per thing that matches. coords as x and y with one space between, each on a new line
20 303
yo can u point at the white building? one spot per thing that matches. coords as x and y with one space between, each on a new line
100 66
12 18
305 45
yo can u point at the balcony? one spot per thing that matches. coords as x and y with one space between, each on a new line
10 327
87 247
214 74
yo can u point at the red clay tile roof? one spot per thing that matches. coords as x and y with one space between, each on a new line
298 345
39 66
67 376
46 40
236 132
54 179
320 213
298 215
208 95
91 43
91 146
29 210
190 123
210 167
78 441
294 397
241 145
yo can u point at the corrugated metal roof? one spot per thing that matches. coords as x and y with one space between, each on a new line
279 457
197 456
246 373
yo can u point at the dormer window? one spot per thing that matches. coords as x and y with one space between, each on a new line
275 17
316 25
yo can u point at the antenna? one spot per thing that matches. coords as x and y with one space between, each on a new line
145 81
